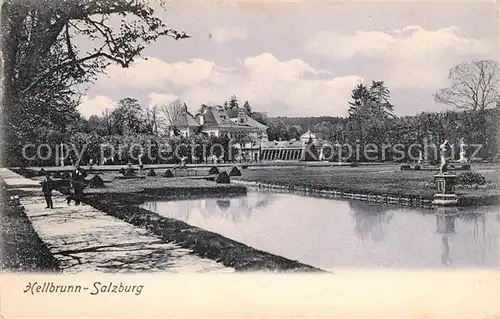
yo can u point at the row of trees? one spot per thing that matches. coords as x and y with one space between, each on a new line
121 149
474 91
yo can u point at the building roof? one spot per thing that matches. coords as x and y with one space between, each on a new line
282 144
186 119
307 135
255 123
213 116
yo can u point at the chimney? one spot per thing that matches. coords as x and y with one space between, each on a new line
242 118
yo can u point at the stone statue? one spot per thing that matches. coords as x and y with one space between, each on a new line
420 157
463 153
442 150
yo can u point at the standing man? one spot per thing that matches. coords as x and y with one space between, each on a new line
47 191
78 181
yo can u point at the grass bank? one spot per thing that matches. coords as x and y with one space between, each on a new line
21 248
383 183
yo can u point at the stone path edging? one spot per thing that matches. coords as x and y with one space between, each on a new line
83 238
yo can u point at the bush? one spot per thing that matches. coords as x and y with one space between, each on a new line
127 172
97 181
223 178
244 166
65 175
417 167
29 174
151 172
42 172
235 172
405 167
213 170
466 167
57 174
470 178
168 173
354 164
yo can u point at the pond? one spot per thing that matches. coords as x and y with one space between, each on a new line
329 233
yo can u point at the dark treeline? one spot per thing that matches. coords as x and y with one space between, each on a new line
480 127
372 121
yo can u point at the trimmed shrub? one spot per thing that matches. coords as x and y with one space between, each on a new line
97 182
30 174
213 170
168 173
235 172
127 172
151 172
470 178
405 167
417 167
223 178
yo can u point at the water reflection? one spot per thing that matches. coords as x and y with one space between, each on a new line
336 233
234 208
371 221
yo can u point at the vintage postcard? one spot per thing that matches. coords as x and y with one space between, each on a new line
250 159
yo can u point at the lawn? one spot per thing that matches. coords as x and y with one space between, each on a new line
379 180
21 249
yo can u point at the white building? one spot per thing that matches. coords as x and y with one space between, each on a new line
292 150
245 132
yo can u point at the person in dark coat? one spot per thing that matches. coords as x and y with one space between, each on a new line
47 191
78 179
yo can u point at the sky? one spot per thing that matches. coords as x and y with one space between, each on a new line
302 59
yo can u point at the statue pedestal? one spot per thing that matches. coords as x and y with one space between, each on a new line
445 184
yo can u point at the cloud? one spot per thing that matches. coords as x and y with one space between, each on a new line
413 56
153 72
224 35
291 87
161 98
95 106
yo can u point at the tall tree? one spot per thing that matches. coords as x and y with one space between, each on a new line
233 103
474 86
153 119
380 95
369 111
247 108
42 62
173 114
360 97
128 117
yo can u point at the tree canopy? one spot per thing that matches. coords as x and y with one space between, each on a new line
474 86
43 63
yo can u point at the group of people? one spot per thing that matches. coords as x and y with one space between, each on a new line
77 184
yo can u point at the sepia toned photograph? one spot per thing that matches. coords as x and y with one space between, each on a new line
235 137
